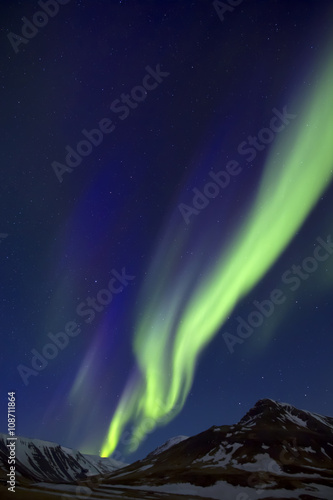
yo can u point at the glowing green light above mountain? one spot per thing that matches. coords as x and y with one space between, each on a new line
183 314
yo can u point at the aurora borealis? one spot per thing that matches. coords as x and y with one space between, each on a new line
174 331
129 277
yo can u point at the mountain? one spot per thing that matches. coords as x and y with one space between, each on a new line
44 461
275 451
168 444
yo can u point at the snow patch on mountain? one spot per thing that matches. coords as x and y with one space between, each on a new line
104 464
222 489
221 456
168 444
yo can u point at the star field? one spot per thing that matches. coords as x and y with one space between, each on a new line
115 116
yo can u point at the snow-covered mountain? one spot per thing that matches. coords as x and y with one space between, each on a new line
275 451
45 461
104 465
168 444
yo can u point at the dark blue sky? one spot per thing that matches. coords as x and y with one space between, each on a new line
62 242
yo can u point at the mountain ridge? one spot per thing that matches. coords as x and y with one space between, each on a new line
275 450
38 460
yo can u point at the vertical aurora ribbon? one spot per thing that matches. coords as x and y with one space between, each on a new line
183 313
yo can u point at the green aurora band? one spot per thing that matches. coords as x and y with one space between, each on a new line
180 320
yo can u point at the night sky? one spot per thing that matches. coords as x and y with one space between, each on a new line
103 240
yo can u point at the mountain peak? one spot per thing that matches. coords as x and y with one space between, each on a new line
269 412
168 444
